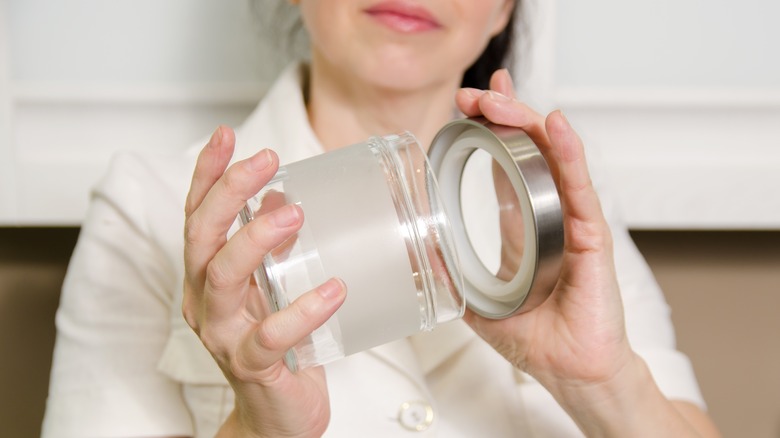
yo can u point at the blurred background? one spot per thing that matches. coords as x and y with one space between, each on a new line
678 102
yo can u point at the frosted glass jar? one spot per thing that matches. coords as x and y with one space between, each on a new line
375 217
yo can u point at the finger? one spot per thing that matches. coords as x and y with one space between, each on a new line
271 201
501 81
230 268
206 228
504 110
284 329
579 199
211 164
467 100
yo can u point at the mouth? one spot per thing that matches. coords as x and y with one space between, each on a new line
403 17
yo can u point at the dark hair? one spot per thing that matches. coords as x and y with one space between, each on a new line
497 54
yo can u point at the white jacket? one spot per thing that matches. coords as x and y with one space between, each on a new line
127 364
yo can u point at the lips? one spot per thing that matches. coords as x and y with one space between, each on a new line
403 16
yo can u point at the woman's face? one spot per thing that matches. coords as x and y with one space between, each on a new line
402 44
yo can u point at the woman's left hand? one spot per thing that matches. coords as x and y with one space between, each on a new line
575 343
577 336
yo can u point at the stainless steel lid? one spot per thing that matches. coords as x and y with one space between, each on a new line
534 231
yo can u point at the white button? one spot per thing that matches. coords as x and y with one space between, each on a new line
415 415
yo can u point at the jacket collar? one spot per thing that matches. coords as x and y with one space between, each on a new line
280 122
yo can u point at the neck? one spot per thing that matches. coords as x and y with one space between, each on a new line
345 112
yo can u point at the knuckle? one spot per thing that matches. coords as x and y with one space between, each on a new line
193 230
305 311
240 371
267 337
190 205
211 340
190 314
595 237
259 233
232 181
217 275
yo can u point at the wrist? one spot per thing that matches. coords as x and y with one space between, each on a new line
233 427
263 417
627 404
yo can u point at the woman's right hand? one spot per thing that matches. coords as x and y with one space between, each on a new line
224 307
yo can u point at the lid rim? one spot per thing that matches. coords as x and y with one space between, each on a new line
532 181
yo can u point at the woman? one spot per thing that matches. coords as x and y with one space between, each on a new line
126 363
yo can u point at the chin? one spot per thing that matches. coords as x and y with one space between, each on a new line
406 76
402 81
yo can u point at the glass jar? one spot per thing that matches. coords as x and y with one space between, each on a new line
375 217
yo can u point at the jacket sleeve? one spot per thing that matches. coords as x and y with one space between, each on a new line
114 318
647 315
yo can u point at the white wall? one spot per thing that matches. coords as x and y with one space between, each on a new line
84 78
678 101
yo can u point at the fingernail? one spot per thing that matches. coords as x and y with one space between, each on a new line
508 77
564 118
331 288
493 95
261 160
285 216
216 137
473 92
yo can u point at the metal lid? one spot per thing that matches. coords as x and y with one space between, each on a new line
540 208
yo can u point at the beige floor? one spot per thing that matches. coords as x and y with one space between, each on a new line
724 289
